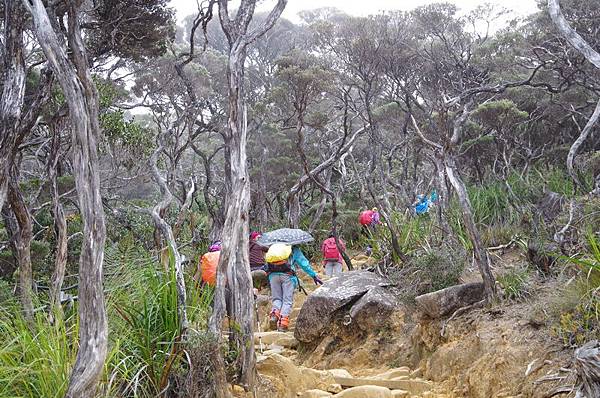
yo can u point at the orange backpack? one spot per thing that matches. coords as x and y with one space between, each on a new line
208 267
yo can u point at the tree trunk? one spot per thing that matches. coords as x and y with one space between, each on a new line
82 100
13 90
321 208
234 264
167 233
60 228
592 56
578 142
22 245
234 261
479 253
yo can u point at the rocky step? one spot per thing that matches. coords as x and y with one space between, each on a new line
283 339
368 392
414 386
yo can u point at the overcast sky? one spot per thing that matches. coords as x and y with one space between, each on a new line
365 7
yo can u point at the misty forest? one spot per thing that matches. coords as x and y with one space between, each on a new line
405 204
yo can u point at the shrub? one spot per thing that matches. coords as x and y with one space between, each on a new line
514 283
428 271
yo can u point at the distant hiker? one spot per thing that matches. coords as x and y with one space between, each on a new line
332 256
424 202
257 253
207 266
370 218
282 262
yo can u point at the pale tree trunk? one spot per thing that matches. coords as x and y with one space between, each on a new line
450 169
13 90
60 228
167 233
577 144
234 264
82 100
293 199
321 208
593 57
22 245
481 258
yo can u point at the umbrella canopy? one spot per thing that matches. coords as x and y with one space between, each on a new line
288 236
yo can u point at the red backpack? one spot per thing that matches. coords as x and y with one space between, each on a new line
330 250
366 217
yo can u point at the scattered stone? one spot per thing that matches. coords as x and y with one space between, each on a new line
395 373
400 394
318 310
334 388
315 394
444 302
373 309
416 373
415 386
365 392
340 373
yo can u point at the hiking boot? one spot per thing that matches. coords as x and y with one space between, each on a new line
273 319
284 324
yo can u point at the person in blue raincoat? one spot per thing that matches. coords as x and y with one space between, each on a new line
424 202
284 281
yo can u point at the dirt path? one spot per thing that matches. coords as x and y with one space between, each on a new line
281 377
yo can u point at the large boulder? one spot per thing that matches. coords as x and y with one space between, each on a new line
446 301
373 309
319 308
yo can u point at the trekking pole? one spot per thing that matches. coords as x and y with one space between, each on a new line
301 287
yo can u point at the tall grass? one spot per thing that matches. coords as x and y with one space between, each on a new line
35 360
144 351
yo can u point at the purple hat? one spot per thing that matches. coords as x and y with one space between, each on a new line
215 246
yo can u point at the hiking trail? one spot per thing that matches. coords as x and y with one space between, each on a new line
281 376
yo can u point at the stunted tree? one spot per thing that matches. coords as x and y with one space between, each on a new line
593 57
234 266
74 77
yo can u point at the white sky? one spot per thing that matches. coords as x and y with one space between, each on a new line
364 7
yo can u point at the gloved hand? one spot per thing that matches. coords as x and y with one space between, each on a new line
317 280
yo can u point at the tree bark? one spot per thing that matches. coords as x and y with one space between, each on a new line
60 228
82 100
234 264
577 144
167 233
481 258
592 56
13 90
22 245
571 35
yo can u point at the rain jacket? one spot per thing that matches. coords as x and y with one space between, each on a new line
297 259
332 241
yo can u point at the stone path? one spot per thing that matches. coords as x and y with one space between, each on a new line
276 352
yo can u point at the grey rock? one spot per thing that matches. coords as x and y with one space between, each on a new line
373 309
319 308
446 301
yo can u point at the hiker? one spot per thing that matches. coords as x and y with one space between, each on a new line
256 252
332 256
370 218
282 262
207 266
424 202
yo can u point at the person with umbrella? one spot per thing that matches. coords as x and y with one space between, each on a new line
283 259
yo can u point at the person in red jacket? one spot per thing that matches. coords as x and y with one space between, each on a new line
332 256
